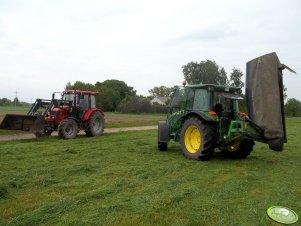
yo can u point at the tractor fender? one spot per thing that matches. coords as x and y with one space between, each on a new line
198 114
73 118
89 112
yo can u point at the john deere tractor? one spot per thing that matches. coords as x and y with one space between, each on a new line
73 111
206 116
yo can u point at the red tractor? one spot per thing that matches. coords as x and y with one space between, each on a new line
74 111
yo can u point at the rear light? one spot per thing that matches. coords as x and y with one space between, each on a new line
212 113
242 114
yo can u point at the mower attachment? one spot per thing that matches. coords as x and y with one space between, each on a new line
264 95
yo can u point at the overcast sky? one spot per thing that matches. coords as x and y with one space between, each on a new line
46 43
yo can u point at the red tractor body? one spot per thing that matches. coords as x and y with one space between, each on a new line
75 110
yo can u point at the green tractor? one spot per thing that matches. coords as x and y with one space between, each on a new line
205 116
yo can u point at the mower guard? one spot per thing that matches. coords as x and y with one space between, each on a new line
18 122
264 96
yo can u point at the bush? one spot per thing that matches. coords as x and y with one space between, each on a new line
140 105
293 108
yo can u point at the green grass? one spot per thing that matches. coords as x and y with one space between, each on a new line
133 119
131 124
18 109
11 132
121 179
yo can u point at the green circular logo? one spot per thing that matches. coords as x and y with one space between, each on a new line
282 215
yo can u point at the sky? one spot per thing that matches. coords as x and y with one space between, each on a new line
44 44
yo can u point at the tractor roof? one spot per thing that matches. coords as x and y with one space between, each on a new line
217 88
81 92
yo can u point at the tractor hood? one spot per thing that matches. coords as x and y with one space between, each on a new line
264 96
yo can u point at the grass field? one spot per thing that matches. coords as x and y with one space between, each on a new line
121 179
113 120
12 109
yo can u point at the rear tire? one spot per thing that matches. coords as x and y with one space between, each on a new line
197 139
239 150
68 129
95 125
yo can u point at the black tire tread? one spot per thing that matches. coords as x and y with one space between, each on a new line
89 126
61 128
208 133
162 146
244 150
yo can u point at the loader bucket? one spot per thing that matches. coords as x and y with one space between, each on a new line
264 96
18 122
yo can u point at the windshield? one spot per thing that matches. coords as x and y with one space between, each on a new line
93 101
178 100
224 100
68 96
201 100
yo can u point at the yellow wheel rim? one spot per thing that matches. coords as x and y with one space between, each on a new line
234 146
192 139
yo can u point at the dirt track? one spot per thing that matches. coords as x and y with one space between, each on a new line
25 136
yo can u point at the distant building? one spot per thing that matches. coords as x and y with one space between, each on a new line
160 100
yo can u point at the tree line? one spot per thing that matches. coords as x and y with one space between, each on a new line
118 96
14 102
115 95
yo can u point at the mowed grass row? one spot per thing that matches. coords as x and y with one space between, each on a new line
121 179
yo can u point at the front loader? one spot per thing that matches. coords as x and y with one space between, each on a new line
205 116
75 110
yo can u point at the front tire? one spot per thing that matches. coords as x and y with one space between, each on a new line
197 139
68 129
95 125
163 136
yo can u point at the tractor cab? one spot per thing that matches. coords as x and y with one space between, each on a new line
212 102
78 102
225 105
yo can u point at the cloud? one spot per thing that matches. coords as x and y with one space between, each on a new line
209 33
135 41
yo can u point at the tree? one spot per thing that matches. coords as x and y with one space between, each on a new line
109 98
235 78
112 92
121 87
206 72
161 91
5 102
293 107
80 86
140 104
16 101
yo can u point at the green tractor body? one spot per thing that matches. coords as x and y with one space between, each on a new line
206 116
